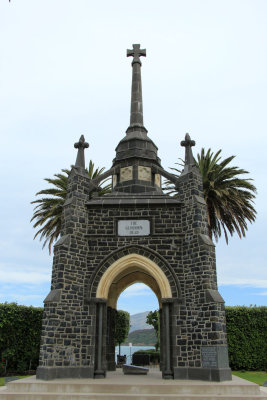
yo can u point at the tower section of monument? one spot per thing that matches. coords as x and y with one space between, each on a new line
136 233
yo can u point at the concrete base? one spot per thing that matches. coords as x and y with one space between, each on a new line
204 374
49 373
134 370
117 386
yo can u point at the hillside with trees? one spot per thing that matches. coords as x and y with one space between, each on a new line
142 337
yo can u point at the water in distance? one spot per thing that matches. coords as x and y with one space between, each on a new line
128 351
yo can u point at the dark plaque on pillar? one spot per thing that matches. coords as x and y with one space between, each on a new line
214 357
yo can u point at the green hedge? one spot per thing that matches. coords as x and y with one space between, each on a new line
154 355
20 333
247 337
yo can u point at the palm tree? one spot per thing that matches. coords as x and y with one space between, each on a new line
48 211
229 198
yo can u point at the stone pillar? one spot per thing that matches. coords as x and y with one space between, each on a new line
166 333
111 319
161 339
68 324
201 338
100 371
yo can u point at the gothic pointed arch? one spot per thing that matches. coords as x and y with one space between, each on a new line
149 254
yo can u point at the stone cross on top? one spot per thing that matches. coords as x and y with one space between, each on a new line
189 159
136 116
81 145
136 53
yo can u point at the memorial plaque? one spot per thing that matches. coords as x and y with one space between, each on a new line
134 227
209 357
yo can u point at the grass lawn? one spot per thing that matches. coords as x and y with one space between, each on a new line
258 377
2 380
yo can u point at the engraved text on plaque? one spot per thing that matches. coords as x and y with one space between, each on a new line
134 227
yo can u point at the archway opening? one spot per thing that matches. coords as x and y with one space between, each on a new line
122 274
139 300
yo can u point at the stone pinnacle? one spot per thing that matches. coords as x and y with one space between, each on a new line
81 145
189 158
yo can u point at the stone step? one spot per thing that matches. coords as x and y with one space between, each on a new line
193 388
122 396
124 387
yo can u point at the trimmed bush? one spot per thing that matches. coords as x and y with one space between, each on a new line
20 334
154 356
247 337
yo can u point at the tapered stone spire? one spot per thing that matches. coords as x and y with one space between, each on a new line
136 118
136 154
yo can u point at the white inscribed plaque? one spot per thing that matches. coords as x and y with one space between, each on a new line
133 227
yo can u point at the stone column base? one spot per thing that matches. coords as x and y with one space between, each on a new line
203 374
99 374
167 374
49 373
111 366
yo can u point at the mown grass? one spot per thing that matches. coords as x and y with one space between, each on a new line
2 379
258 377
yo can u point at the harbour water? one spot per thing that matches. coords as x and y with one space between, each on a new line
128 351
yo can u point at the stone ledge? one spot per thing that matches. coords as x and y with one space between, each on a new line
133 202
68 202
64 241
199 199
53 296
213 296
205 239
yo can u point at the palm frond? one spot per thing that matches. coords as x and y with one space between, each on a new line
47 216
228 195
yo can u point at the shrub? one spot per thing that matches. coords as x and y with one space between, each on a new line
20 334
247 337
154 356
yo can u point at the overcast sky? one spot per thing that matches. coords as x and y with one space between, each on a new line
64 72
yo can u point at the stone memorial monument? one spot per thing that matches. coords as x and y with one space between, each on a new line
134 234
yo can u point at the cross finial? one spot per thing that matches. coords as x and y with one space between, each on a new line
81 145
136 53
188 144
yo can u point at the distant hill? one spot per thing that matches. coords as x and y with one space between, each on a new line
141 334
142 337
138 321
